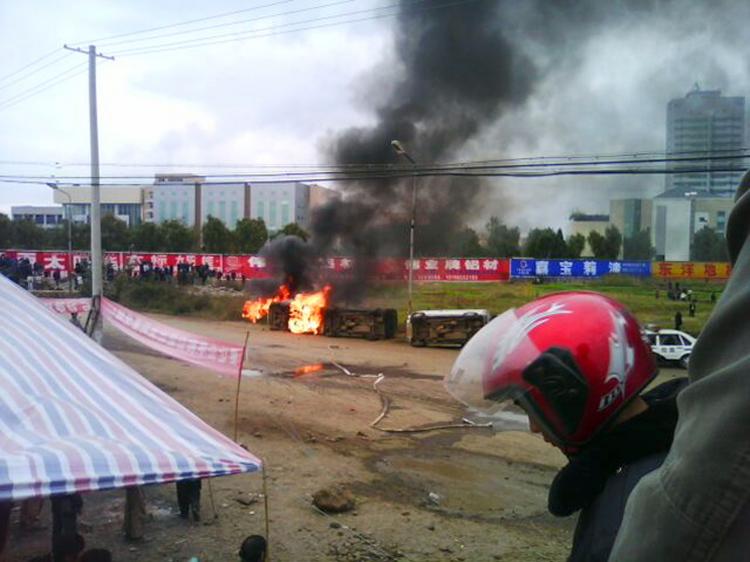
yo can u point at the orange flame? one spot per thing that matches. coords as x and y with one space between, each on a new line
257 309
306 311
308 369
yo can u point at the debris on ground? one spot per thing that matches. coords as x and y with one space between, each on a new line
334 499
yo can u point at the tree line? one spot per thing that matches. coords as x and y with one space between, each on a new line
249 236
503 241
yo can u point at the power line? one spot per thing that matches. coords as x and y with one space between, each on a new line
231 23
43 86
187 22
406 174
32 63
34 71
739 152
464 167
255 33
244 36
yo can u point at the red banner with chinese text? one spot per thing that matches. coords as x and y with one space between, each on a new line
255 267
445 269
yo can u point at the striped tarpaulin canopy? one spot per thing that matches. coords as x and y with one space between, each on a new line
74 418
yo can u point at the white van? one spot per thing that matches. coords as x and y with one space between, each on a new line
671 346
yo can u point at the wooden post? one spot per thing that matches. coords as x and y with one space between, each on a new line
239 381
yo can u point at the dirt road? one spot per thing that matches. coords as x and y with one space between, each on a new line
457 494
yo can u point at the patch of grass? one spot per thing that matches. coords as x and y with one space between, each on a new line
165 298
640 296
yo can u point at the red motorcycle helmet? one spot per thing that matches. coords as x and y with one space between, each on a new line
571 360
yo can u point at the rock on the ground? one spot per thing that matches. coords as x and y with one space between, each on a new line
334 499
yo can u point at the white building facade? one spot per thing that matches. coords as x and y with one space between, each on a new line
227 202
125 203
279 204
45 217
678 215
174 197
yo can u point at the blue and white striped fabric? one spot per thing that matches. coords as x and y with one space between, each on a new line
74 418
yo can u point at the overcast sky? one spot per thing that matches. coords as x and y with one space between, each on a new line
274 100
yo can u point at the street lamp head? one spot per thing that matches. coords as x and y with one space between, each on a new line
52 185
401 151
398 147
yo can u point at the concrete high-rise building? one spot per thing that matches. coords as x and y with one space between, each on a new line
630 216
321 195
227 202
705 122
191 199
125 203
677 216
174 197
279 204
43 216
585 224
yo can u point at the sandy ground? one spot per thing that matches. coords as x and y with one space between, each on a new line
488 487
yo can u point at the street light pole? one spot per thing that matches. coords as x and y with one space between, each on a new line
68 214
401 151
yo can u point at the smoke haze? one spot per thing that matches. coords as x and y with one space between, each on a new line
484 78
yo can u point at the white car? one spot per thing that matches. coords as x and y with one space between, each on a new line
444 327
671 346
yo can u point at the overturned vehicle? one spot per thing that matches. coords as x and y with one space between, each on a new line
444 327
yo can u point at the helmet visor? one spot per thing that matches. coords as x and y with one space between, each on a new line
487 373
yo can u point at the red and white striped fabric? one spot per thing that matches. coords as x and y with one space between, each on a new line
74 418
210 353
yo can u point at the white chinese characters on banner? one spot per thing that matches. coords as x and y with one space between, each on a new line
55 261
453 265
589 268
31 256
541 267
566 268
615 267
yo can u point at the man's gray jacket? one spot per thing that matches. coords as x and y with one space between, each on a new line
696 507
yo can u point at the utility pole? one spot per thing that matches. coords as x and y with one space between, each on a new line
96 265
401 151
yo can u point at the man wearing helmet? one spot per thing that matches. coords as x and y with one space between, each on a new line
576 363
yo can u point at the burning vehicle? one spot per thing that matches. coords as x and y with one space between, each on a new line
444 327
311 313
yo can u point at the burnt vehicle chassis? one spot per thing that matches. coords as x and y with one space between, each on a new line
444 330
371 324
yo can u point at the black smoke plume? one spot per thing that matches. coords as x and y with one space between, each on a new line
460 66
458 72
